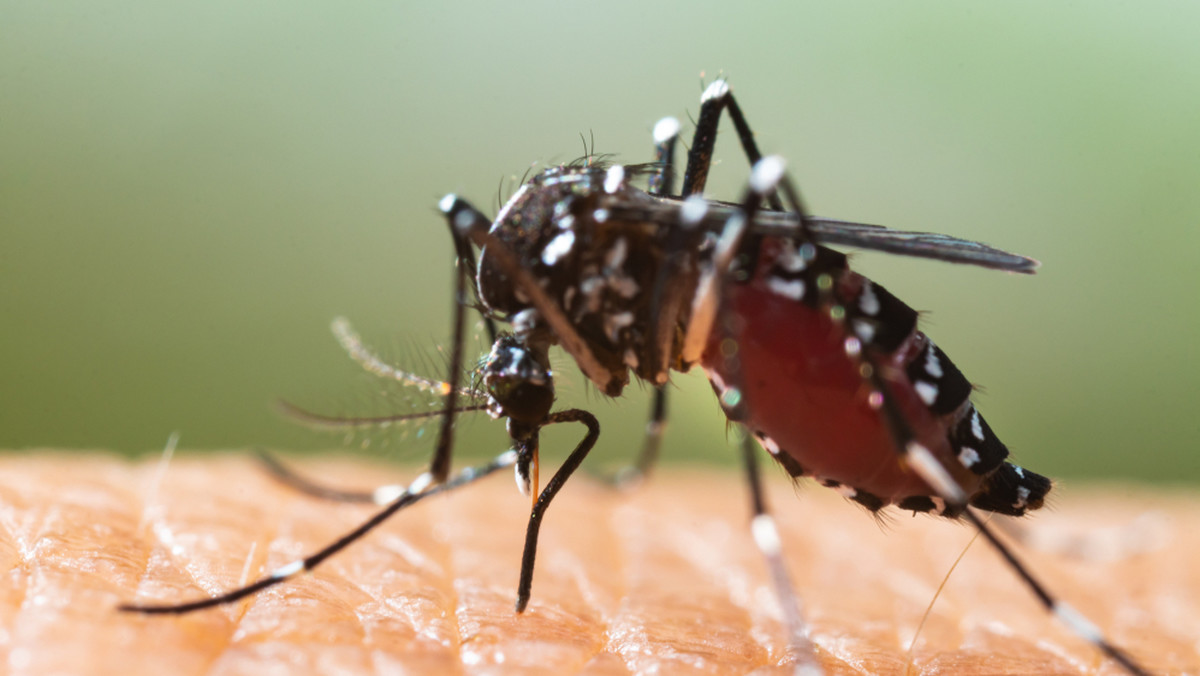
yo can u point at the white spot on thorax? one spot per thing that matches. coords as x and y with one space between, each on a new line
558 247
613 178
613 324
693 210
615 257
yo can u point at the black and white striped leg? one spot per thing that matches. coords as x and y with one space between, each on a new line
666 135
666 302
471 224
922 461
552 487
718 98
768 541
710 288
439 464
633 474
420 489
763 180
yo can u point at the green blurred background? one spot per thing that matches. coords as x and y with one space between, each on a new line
188 194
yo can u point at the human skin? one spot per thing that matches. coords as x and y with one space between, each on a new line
662 577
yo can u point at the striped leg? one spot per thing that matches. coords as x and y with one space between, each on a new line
763 180
420 489
922 461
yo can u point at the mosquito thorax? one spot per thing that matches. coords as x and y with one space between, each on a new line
518 381
599 269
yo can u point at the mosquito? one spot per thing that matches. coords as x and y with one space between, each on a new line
825 368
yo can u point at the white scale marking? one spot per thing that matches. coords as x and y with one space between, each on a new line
848 492
613 324
766 535
868 302
523 484
1077 622
422 482
558 247
385 495
289 570
613 178
693 210
615 257
927 391
770 444
666 129
968 456
716 90
976 425
932 366
790 260
928 468
865 330
766 174
788 288
1022 497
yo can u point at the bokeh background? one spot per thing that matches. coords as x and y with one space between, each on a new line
189 193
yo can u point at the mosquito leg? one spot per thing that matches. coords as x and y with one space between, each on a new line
420 489
381 495
766 538
470 223
764 177
439 465
666 134
302 484
710 288
466 265
715 100
552 487
926 465
666 302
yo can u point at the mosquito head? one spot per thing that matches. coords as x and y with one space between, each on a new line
518 381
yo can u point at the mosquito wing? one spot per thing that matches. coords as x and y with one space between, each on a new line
832 231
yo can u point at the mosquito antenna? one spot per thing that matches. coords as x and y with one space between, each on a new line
353 345
319 420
